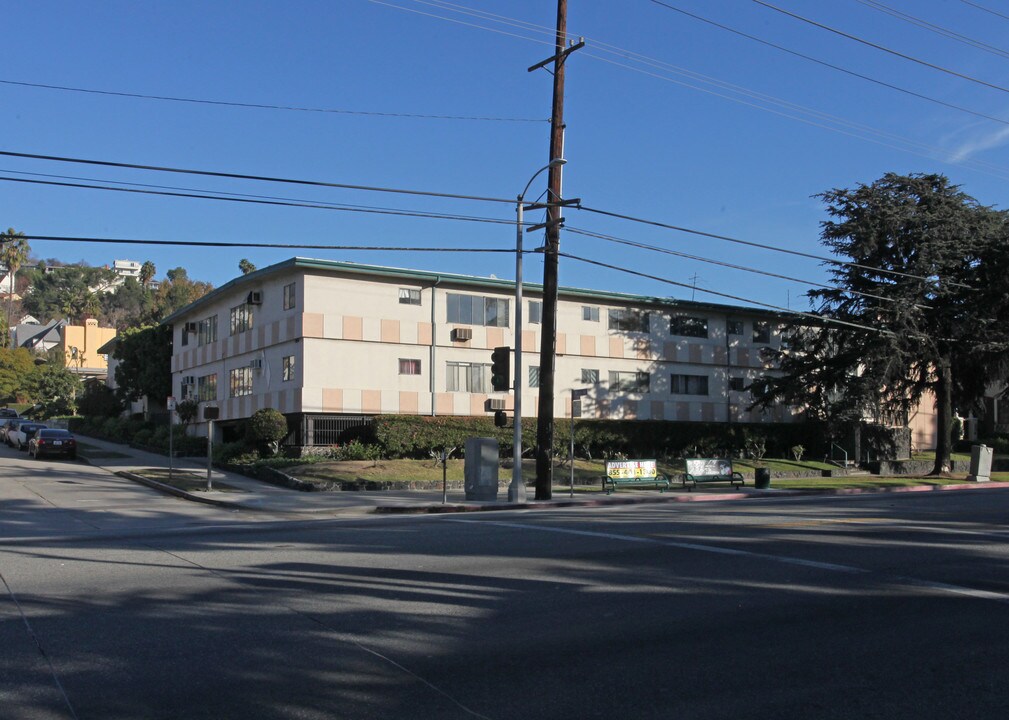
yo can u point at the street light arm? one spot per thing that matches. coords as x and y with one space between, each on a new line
553 163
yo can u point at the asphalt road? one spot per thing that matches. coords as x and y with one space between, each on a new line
117 602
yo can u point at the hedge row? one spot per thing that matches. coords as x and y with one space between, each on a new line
411 436
139 433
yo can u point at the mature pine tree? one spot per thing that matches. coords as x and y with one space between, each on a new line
919 307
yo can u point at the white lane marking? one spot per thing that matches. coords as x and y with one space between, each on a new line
786 559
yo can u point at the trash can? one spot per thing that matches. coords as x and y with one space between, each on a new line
762 478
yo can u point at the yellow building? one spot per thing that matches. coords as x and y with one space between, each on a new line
80 348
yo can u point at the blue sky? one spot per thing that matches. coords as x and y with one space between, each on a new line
668 118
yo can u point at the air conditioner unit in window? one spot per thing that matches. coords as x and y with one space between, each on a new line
492 404
188 380
255 298
191 327
462 334
256 364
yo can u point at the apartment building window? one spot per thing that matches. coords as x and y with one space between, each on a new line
688 384
207 331
241 318
688 326
206 387
188 391
761 332
734 327
628 320
590 314
629 381
534 376
240 382
409 296
590 376
478 310
409 366
737 383
287 368
185 336
289 297
467 377
535 312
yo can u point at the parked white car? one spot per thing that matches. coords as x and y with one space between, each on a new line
24 432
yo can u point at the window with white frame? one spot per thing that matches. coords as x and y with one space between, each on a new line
627 320
761 332
590 376
207 331
241 318
287 368
289 296
535 312
634 382
688 384
206 387
737 384
734 327
240 382
590 314
409 296
409 366
534 376
477 310
688 326
467 377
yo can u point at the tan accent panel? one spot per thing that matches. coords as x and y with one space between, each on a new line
444 403
658 410
495 337
476 404
743 356
719 355
708 412
332 400
616 347
290 327
644 352
683 411
423 333
409 403
561 347
529 340
298 400
261 336
695 353
313 325
371 401
669 351
588 343
353 328
390 331
631 412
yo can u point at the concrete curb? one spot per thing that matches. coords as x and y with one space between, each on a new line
185 495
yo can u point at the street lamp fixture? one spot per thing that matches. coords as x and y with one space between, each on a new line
517 489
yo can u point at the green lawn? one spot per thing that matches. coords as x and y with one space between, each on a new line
190 482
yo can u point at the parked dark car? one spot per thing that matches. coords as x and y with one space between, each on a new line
20 436
8 412
53 442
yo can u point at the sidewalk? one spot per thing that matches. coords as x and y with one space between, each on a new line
244 493
247 493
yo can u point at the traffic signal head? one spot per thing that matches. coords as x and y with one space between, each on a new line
500 369
500 418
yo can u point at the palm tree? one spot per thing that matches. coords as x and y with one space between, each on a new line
147 271
13 253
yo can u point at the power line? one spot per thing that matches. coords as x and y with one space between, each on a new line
265 106
252 201
883 48
720 263
761 246
298 246
982 7
818 318
238 197
832 66
931 27
261 178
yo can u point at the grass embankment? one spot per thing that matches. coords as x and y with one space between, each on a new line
182 480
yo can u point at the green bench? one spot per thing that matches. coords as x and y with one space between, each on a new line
633 473
710 470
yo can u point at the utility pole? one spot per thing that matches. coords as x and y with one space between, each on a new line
548 341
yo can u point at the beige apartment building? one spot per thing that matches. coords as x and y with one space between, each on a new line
331 344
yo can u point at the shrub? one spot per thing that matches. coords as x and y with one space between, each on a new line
355 450
267 427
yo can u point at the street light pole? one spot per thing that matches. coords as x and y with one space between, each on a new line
517 489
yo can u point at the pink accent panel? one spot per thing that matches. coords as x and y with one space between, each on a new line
562 344
291 328
353 328
695 353
332 400
390 331
669 351
261 337
313 325
658 410
529 340
719 355
444 403
588 343
567 406
631 412
298 401
743 356
423 333
644 352
616 347
708 412
409 403
683 411
495 337
476 404
371 401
